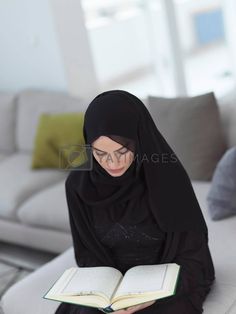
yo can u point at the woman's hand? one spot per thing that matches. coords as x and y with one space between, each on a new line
135 308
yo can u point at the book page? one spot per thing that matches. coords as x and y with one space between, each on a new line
87 280
143 278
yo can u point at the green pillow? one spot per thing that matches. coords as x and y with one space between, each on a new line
59 141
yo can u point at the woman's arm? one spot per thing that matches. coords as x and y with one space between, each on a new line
197 270
82 255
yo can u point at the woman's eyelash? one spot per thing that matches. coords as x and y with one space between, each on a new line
124 152
120 152
100 154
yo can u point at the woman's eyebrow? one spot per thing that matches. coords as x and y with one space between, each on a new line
105 152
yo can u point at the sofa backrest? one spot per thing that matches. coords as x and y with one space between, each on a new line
31 104
19 115
7 123
227 106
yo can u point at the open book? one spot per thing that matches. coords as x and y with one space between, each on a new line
107 289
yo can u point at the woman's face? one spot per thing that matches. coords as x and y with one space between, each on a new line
112 155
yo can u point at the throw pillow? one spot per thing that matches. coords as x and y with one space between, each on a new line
221 198
192 127
59 141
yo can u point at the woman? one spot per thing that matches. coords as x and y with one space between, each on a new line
146 212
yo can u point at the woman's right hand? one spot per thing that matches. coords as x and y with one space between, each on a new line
134 308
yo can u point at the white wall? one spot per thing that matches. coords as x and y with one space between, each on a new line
29 52
230 26
75 48
34 49
120 47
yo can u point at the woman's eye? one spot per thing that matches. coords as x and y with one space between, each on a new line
123 151
100 154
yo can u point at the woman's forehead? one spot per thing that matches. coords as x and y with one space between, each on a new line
113 141
105 140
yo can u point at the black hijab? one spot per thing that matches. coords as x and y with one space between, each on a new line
170 193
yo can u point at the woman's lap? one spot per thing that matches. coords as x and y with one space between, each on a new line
66 308
180 305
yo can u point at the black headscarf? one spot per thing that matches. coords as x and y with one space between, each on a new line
170 193
157 174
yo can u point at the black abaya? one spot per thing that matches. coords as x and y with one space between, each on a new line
188 249
159 190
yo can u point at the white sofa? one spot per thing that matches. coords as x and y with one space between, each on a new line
32 201
222 298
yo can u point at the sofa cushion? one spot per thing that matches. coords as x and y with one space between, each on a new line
192 127
44 239
31 104
56 138
220 300
221 198
222 297
19 182
221 239
7 122
3 156
35 287
47 209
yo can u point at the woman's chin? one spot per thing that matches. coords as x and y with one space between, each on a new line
116 174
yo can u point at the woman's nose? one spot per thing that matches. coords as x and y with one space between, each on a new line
113 162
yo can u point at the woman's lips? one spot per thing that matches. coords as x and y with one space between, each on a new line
115 170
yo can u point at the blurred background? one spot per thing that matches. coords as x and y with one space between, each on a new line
168 48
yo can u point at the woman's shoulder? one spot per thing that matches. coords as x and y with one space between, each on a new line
75 175
72 178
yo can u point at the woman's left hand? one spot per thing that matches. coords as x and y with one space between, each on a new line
139 307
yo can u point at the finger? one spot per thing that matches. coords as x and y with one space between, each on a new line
130 308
